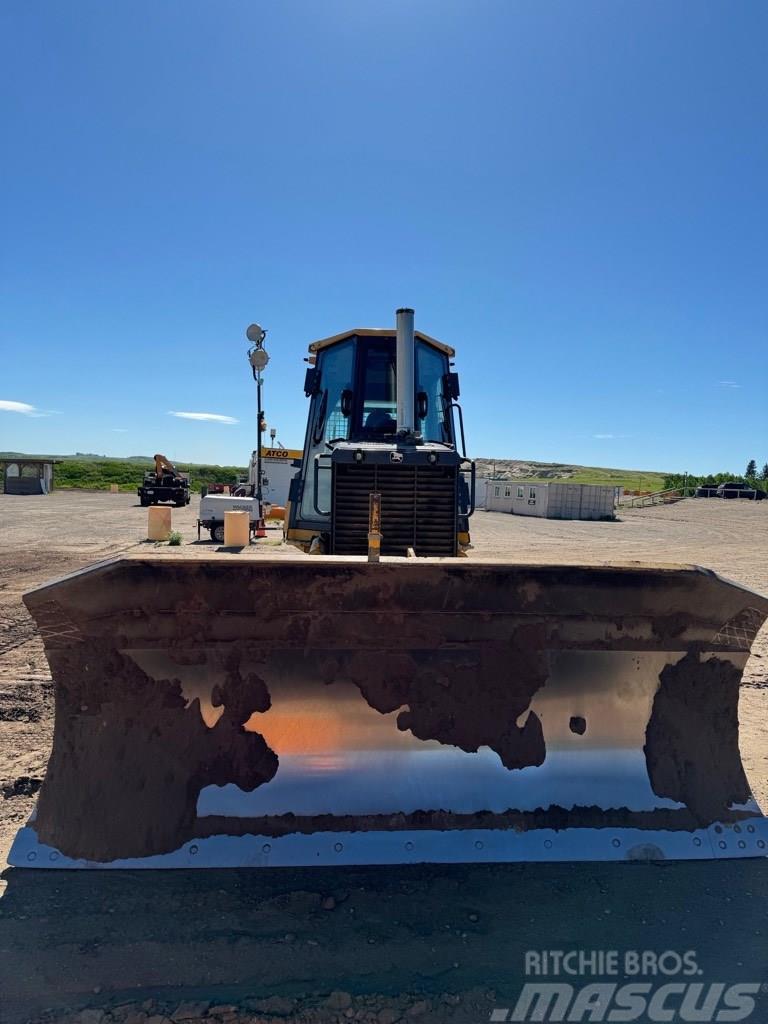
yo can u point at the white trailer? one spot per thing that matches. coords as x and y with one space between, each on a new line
213 507
278 466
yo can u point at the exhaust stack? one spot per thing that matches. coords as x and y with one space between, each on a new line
405 372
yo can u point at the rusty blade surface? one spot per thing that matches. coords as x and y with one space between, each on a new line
201 698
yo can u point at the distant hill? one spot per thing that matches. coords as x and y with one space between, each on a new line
97 472
521 469
89 456
79 457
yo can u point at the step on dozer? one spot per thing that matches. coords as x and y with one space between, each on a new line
295 711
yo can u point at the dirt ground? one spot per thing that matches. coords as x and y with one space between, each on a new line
431 943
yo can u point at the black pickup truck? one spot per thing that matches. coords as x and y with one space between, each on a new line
731 489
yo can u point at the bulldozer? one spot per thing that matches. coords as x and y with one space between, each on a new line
390 702
381 422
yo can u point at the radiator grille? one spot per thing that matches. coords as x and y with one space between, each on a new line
418 508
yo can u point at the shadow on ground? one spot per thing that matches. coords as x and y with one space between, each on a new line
76 939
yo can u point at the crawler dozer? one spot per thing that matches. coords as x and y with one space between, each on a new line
275 709
381 421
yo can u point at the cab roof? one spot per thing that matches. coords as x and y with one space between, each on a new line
378 332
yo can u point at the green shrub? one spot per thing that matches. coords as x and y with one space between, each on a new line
98 474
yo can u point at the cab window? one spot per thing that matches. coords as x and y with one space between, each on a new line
326 422
431 365
378 388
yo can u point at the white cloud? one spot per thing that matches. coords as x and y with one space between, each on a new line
119 430
604 437
213 417
23 408
728 384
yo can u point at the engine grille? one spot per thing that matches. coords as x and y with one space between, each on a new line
418 508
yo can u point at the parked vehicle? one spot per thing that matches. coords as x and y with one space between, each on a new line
740 489
731 489
164 484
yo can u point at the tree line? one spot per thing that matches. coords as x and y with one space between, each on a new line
98 474
751 478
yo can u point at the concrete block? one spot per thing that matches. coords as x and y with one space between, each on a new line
159 523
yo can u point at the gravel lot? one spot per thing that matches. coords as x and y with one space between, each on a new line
435 943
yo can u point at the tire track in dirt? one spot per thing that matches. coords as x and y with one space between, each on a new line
21 649
16 628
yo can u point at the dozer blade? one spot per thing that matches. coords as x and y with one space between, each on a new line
298 712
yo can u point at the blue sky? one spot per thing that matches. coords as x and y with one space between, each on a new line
572 194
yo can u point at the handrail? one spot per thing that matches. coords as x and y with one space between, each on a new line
666 496
316 481
472 485
672 494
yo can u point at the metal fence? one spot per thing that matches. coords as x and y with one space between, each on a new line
672 494
732 492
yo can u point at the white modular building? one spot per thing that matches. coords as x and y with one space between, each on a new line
551 500
481 491
278 467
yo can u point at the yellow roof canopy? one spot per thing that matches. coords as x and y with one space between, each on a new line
378 332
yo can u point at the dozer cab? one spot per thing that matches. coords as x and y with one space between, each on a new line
275 709
381 421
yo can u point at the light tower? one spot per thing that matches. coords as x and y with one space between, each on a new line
258 359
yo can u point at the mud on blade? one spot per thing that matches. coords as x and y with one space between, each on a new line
304 712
